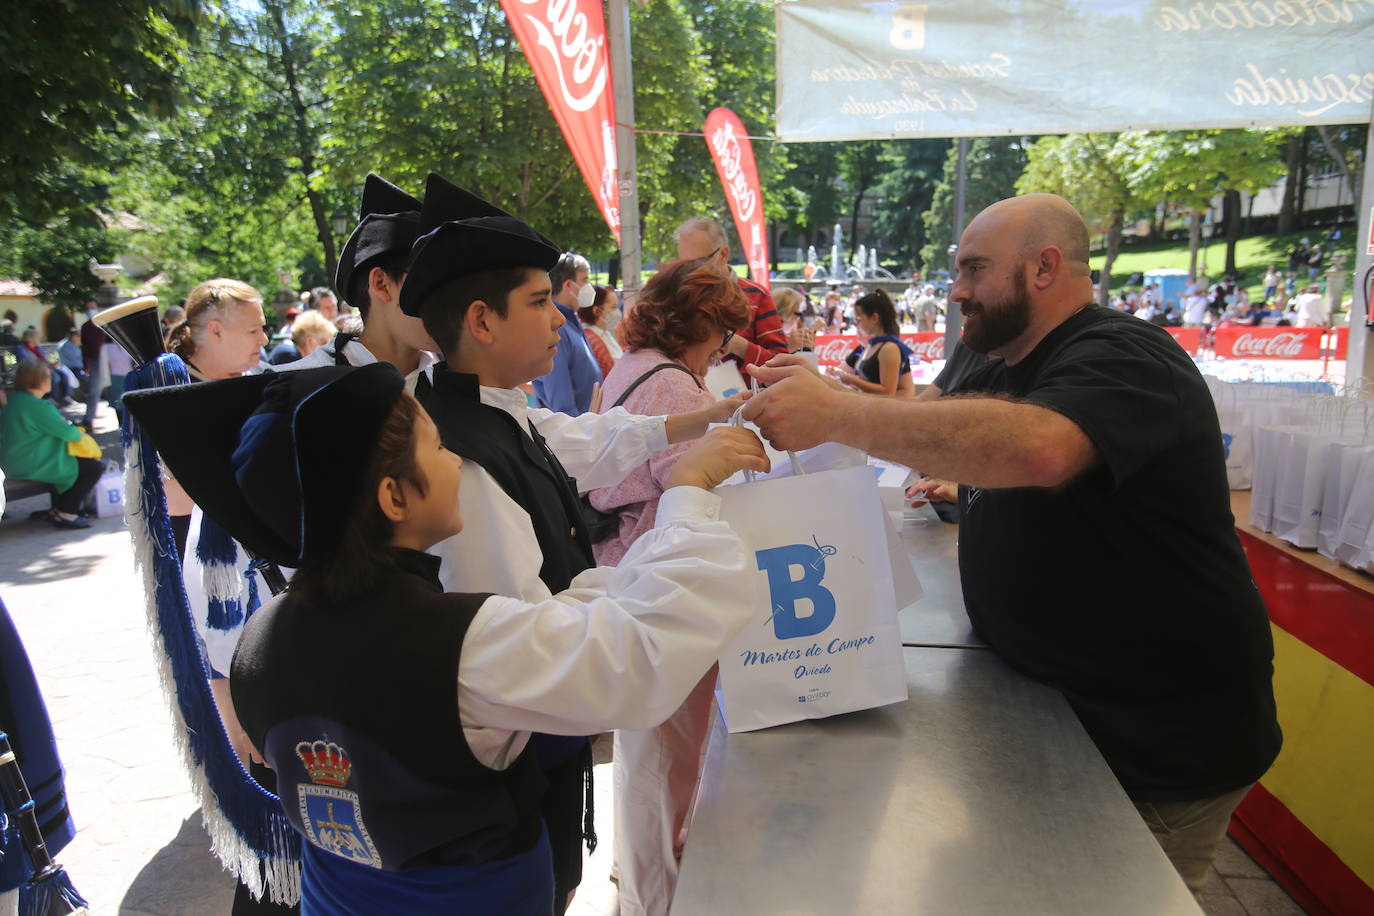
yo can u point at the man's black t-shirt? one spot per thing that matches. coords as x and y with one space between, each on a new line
960 366
1127 589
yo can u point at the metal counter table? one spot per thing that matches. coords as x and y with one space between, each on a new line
938 618
981 794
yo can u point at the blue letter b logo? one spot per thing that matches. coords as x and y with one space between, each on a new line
785 590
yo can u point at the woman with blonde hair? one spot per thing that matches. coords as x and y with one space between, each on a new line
222 334
221 337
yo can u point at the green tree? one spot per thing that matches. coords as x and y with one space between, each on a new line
810 193
1191 167
229 183
993 165
55 259
73 73
1100 175
416 86
860 166
914 168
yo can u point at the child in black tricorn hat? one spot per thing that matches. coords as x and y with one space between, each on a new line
366 687
479 279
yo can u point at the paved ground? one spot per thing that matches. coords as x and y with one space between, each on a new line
140 847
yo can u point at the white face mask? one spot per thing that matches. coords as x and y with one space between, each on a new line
586 295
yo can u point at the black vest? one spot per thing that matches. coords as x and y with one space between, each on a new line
523 466
355 707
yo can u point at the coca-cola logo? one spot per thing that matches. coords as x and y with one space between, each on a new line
1289 344
930 349
728 155
579 59
832 349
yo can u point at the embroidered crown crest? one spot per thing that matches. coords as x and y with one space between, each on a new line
325 761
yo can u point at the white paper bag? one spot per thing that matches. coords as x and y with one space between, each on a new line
824 638
1352 541
1343 465
109 494
725 380
1298 490
1270 445
1237 437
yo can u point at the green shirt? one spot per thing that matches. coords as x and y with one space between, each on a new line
33 441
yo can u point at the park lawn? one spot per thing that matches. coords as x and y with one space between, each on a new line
1254 254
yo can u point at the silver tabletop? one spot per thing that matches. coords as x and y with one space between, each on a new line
938 617
981 794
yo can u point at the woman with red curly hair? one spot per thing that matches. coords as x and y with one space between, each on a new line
682 318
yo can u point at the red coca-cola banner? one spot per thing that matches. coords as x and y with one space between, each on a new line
734 158
1269 343
1188 338
1339 340
565 43
831 349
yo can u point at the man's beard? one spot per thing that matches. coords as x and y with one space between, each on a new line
996 325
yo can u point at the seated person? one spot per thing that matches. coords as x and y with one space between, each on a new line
63 382
69 355
33 446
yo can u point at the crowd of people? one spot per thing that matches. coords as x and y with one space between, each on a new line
527 514
1286 303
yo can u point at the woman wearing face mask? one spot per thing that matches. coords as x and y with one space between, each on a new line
595 327
683 317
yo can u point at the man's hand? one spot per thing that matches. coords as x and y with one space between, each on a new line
798 409
738 346
716 456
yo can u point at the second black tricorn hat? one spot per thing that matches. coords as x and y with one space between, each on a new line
461 234
388 222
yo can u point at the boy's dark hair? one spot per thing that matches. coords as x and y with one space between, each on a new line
444 310
358 295
879 304
363 555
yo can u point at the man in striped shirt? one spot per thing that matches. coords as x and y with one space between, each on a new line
763 338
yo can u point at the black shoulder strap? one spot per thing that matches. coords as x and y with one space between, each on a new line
342 340
620 401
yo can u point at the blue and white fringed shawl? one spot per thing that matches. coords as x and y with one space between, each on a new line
248 831
221 588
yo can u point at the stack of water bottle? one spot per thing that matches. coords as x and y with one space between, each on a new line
1306 451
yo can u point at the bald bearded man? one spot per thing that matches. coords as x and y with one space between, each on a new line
1097 550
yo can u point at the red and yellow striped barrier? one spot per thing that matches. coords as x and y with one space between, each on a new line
1310 821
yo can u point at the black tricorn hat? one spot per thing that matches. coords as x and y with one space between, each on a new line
388 222
460 234
278 460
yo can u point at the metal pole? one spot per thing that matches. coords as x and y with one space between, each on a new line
953 320
1359 364
618 28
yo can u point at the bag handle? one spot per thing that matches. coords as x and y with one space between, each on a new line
625 396
737 419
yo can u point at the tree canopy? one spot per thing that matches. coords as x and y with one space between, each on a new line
226 139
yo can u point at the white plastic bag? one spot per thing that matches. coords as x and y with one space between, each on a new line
824 638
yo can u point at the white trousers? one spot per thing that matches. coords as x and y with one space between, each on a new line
656 775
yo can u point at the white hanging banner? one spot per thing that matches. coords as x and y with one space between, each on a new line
853 69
